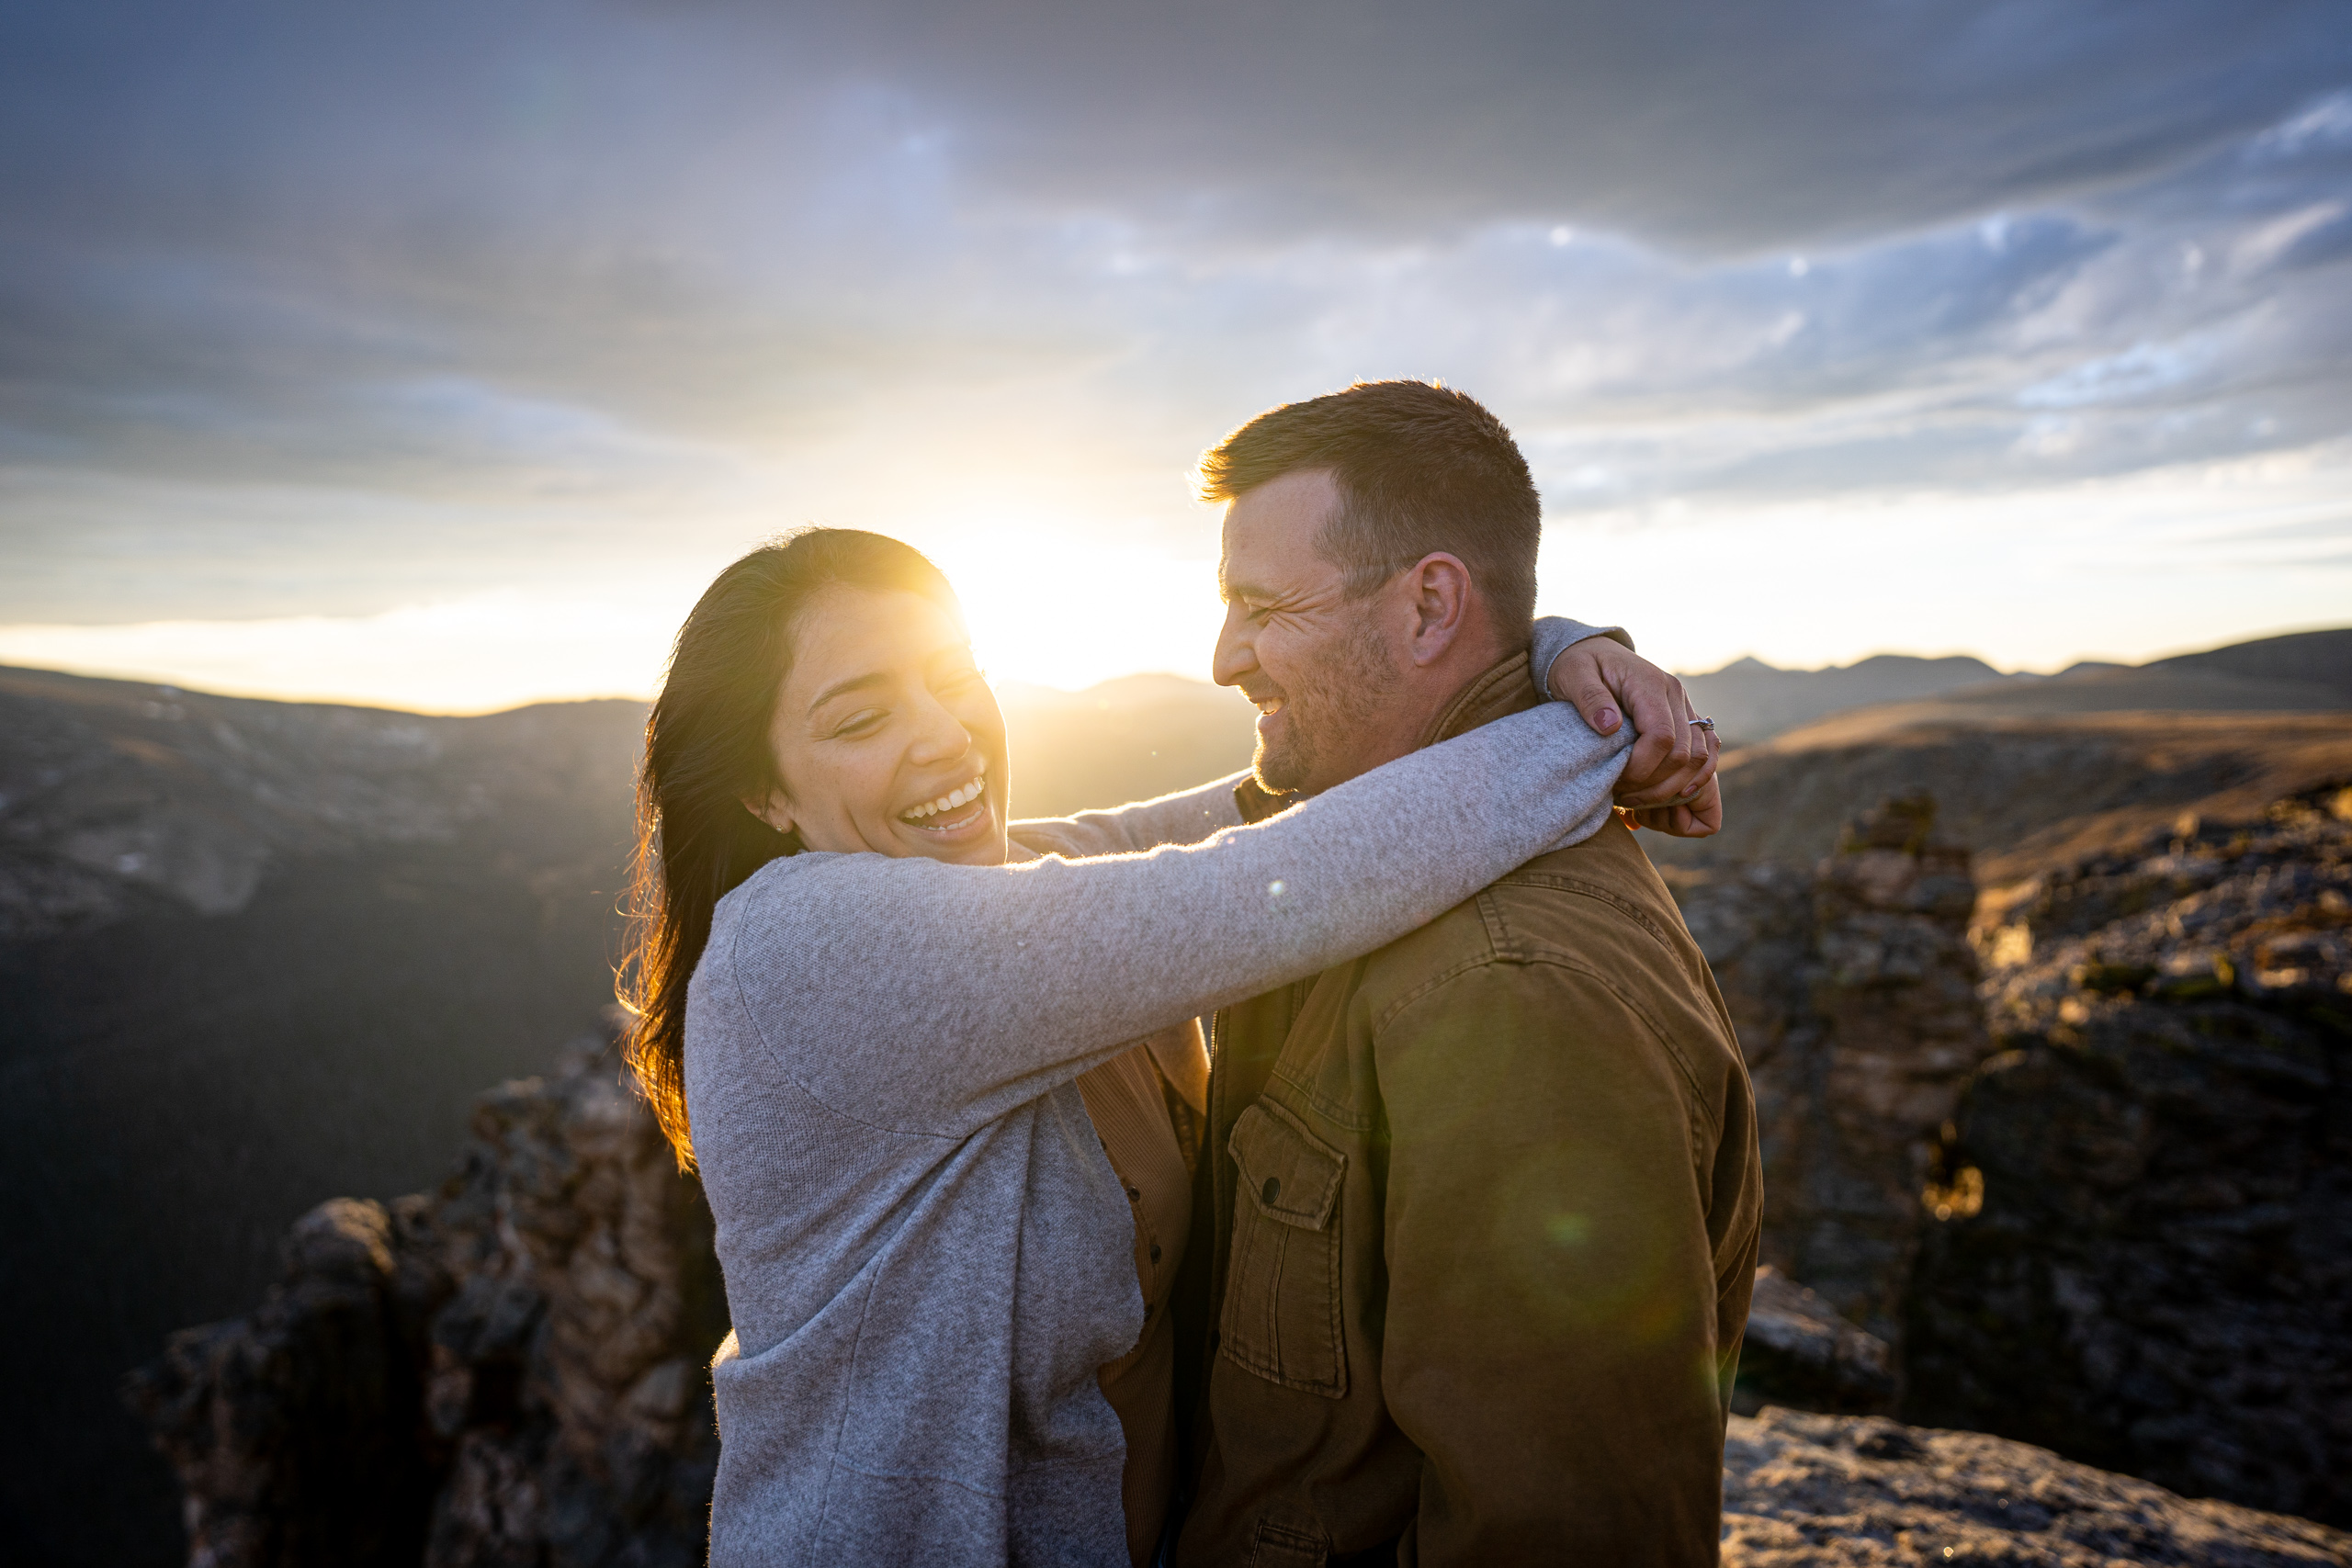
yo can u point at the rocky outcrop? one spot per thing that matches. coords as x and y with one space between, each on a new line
2115 1216
1853 989
1800 1353
1804 1491
2155 1271
290 1431
2126 1235
510 1371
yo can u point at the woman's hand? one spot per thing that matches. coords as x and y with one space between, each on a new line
1669 780
1701 816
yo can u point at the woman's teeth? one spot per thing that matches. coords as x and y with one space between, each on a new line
950 800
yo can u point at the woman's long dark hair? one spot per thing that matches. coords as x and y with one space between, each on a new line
707 751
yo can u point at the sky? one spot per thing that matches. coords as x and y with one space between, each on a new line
438 355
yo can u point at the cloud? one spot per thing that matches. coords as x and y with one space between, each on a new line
1704 126
308 309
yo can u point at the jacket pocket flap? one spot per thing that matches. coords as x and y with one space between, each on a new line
1291 1175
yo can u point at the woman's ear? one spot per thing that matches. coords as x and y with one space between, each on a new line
772 808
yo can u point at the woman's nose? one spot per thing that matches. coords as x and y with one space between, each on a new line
940 736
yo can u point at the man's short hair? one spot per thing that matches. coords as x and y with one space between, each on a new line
1419 468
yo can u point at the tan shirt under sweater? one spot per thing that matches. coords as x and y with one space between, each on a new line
1147 1107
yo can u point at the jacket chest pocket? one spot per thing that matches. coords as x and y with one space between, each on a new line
1281 1317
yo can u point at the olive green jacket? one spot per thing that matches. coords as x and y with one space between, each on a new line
1470 1268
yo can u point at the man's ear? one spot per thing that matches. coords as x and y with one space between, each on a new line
772 808
1440 590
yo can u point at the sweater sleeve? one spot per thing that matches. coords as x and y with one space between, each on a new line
1554 635
921 997
1184 818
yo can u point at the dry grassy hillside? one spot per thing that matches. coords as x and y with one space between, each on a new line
2023 792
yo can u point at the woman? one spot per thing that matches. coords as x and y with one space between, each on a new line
871 1008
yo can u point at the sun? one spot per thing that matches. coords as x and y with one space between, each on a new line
1053 610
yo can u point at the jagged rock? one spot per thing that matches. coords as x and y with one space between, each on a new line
1853 990
1800 1352
508 1371
2159 1276
2137 1242
286 1427
1806 1491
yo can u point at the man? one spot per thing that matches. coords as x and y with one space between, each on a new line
1477 1216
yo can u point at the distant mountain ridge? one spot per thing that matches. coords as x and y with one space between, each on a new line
1751 701
122 796
2323 657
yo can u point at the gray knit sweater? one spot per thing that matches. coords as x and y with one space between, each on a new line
926 1253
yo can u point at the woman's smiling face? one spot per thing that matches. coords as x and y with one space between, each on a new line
885 735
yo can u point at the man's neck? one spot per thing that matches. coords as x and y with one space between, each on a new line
1502 688
1430 693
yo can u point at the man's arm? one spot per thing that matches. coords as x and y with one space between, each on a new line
1549 1337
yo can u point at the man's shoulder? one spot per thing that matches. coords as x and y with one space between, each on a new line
1596 903
1603 885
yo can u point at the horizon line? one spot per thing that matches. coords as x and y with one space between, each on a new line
166 685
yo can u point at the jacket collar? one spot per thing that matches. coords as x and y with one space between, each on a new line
1504 688
1501 689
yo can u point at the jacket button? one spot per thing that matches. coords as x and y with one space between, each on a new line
1135 1195
1155 1252
1271 1189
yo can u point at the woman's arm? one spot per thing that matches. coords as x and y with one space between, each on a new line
1190 816
1185 817
1554 635
929 998
1669 779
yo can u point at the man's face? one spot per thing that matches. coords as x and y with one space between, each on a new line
1317 663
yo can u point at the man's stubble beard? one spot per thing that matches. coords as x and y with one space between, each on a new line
1334 697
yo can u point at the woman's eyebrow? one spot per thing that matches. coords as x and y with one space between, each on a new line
839 688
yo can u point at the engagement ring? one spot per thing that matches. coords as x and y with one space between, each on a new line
1706 724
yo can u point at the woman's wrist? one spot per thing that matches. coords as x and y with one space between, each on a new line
1553 635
